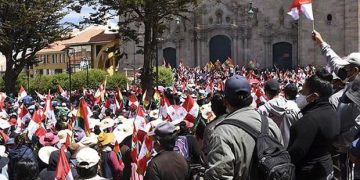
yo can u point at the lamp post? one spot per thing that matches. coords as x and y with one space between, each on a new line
69 66
157 61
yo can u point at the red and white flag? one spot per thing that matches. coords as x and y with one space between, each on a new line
176 113
144 155
134 146
140 121
192 109
63 171
133 101
49 110
22 93
2 100
301 6
62 92
210 88
164 107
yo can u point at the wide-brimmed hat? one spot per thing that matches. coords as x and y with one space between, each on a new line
106 123
63 135
44 153
122 131
91 140
106 138
4 124
49 139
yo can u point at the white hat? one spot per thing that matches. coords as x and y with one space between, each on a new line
63 135
4 124
91 140
44 153
106 123
123 130
87 157
93 122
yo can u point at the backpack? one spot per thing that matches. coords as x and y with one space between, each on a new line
270 157
181 145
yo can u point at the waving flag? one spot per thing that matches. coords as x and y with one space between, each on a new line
145 99
2 100
140 121
49 110
192 109
134 146
83 115
164 107
144 155
210 88
63 171
22 93
133 101
301 6
62 92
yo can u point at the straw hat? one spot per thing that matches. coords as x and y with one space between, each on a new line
122 131
63 135
106 123
91 140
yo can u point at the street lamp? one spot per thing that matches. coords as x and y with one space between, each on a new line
250 11
84 63
70 52
157 61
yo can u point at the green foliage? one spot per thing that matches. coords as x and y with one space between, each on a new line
165 76
26 27
44 83
117 80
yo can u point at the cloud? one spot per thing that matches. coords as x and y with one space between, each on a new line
77 17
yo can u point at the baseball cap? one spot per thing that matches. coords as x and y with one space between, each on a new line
236 84
353 58
272 85
87 157
354 91
163 129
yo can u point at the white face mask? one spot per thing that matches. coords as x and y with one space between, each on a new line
301 101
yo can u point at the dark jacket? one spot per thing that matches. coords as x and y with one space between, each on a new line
49 172
167 165
16 155
311 138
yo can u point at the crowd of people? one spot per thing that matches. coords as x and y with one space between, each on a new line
202 127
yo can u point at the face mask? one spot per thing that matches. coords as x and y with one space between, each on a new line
301 101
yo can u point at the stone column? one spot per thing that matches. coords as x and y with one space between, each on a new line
268 58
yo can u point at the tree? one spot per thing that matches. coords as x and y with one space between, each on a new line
152 15
26 27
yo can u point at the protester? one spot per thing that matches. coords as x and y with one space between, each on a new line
87 164
27 169
110 165
347 69
167 163
219 109
230 157
283 112
311 136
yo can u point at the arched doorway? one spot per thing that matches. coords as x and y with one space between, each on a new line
220 48
170 56
282 55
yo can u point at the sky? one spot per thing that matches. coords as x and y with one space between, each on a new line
77 17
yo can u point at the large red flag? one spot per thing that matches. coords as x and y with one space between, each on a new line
63 171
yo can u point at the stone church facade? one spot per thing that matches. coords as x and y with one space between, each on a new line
261 31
